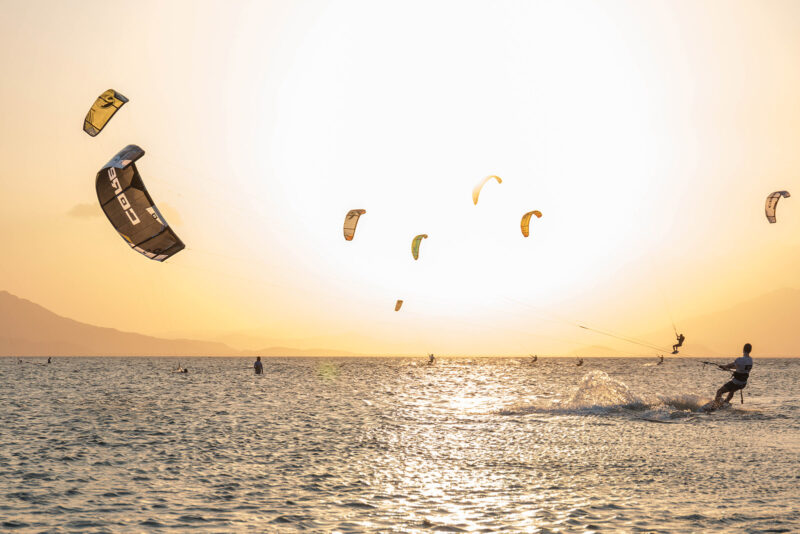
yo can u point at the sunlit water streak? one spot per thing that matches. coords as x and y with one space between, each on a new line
365 445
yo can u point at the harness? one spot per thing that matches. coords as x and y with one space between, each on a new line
741 377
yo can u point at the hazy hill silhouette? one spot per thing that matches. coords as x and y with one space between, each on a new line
769 322
28 329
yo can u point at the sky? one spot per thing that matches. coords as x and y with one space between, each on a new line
647 133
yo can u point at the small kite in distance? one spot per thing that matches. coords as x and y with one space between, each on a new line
772 204
526 221
476 191
350 223
102 110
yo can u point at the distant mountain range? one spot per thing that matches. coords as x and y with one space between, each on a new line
28 329
769 322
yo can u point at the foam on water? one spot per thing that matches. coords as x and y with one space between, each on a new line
598 390
684 401
597 393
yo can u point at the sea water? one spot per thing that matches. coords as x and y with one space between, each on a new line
395 445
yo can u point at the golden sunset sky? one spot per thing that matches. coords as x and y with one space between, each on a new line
647 133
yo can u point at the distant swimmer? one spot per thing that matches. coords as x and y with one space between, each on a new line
741 372
580 362
181 369
431 359
661 360
258 366
678 345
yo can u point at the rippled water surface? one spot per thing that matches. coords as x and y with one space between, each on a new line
394 445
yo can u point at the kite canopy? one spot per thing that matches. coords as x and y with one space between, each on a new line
131 210
101 111
350 223
415 245
772 204
397 305
526 221
476 191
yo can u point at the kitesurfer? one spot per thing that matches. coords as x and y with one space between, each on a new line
48 359
258 366
678 345
661 360
534 358
431 359
580 362
741 372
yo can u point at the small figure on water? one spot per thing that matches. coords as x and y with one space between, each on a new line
258 366
678 345
741 372
48 360
534 358
431 359
181 369
580 362
661 359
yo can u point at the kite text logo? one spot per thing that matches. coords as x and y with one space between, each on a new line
123 200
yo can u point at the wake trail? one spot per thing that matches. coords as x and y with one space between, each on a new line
598 394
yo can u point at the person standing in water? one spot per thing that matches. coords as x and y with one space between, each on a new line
258 366
741 372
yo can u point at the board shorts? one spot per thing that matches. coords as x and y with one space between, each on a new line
730 387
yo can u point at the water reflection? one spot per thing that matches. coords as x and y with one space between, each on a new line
372 444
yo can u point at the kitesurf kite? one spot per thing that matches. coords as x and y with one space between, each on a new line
477 189
350 222
772 203
415 245
131 210
526 221
102 110
397 305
